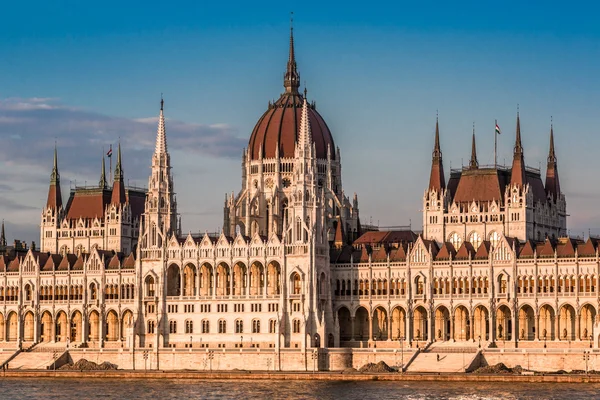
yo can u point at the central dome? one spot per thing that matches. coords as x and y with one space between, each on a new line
280 124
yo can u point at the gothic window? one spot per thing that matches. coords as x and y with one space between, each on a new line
205 326
255 326
222 326
455 239
296 326
172 326
239 326
189 326
494 238
272 325
296 284
475 239
150 326
150 286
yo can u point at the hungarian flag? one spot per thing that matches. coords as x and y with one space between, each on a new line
498 129
109 154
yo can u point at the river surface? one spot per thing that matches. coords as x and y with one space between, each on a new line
14 388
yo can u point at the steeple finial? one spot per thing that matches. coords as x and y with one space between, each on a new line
473 164
518 166
518 144
2 237
54 195
161 134
436 178
118 168
55 176
291 80
103 183
552 182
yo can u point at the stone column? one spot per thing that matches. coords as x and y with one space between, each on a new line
53 330
84 326
352 328
557 327
577 325
452 327
370 328
408 326
536 320
472 333
231 277
389 326
36 328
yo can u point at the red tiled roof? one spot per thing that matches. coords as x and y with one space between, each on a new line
399 253
386 237
54 196
67 262
280 124
129 262
546 249
566 247
528 249
380 254
588 248
88 204
483 252
466 249
446 251
484 184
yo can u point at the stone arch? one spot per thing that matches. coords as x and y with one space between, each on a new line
94 326
46 327
13 327
566 322
150 286
481 327
76 326
112 326
442 323
398 321
61 326
504 323
526 323
127 324
379 321
361 324
189 280
273 278
173 280
206 280
420 324
547 324
295 283
587 316
257 276
239 279
345 323
28 327
223 279
462 323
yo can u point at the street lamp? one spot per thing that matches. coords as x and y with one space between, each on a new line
591 341
479 341
544 340
241 341
190 341
375 341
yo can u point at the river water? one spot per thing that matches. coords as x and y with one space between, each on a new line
13 388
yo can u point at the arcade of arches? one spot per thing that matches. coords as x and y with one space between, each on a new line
461 324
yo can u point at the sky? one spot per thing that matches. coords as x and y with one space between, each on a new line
88 74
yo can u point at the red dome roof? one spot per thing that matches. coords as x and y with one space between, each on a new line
280 125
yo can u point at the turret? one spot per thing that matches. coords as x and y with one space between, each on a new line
118 191
54 195
552 183
436 178
518 166
102 182
473 164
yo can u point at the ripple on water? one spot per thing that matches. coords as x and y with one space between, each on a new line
321 390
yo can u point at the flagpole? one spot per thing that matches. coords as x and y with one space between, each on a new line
495 144
110 161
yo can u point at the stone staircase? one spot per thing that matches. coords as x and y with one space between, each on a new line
446 358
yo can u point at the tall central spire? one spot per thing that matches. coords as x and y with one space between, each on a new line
291 80
518 166
54 195
118 191
552 183
436 179
161 136
103 183
473 164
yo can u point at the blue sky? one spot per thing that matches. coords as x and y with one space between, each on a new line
88 73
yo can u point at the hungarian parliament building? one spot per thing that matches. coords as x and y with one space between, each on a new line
293 266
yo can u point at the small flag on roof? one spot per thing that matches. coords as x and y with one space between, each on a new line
498 129
109 154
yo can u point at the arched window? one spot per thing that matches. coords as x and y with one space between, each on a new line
296 326
189 326
475 240
272 325
150 286
222 326
455 239
150 326
93 292
494 238
256 326
205 326
239 326
296 284
172 326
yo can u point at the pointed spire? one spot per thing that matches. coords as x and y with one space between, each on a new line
552 182
473 164
2 237
54 194
118 191
436 178
518 166
103 183
161 135
305 133
291 80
